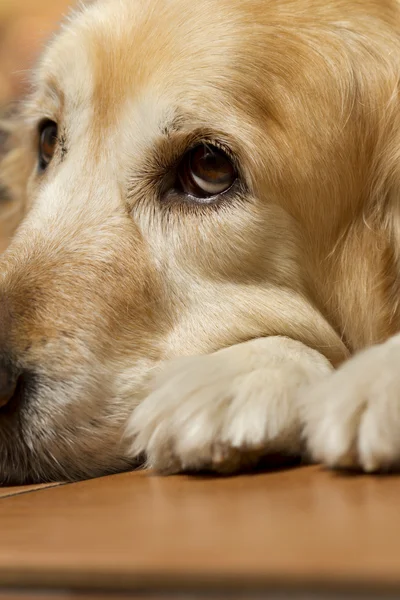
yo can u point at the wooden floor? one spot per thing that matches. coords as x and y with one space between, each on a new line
300 530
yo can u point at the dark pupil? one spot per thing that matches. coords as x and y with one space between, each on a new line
48 142
211 165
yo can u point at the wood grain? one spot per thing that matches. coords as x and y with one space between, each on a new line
5 492
299 527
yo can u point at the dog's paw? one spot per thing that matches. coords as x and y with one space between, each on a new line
223 411
352 418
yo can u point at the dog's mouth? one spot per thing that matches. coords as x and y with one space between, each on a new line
48 434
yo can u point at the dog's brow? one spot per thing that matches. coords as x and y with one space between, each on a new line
48 86
53 90
173 125
48 96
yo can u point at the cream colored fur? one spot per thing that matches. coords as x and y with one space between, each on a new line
254 299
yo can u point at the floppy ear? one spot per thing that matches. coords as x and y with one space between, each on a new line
16 163
3 143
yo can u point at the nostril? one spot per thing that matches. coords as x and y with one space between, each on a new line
8 384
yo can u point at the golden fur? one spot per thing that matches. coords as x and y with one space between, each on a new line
106 279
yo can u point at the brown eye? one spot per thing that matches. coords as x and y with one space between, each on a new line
206 171
47 143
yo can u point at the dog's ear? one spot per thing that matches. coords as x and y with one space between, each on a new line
3 143
16 164
6 133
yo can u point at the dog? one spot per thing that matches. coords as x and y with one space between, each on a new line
206 205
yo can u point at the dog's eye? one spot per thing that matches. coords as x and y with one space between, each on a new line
206 171
47 143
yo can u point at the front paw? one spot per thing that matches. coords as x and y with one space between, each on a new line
352 418
223 411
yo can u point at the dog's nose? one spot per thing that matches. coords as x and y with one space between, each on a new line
8 384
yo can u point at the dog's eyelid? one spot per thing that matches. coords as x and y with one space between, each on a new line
43 121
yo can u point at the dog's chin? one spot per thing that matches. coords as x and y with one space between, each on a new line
20 466
42 440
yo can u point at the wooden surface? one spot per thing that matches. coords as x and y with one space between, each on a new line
297 528
6 492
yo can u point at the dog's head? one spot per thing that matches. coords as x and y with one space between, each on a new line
178 162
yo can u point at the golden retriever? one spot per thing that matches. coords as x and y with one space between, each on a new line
211 227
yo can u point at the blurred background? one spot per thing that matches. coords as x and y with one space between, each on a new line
25 25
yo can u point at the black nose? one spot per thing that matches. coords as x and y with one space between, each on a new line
8 384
